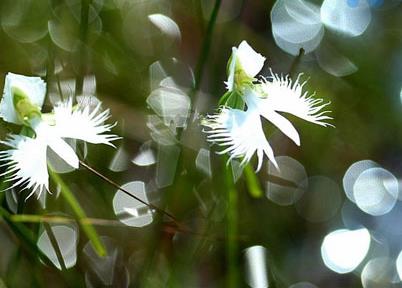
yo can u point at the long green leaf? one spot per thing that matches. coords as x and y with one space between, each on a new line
25 235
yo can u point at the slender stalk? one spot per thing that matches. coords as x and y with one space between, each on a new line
179 226
295 63
83 50
231 190
25 235
55 245
88 229
50 64
198 11
114 184
59 88
34 218
202 59
232 231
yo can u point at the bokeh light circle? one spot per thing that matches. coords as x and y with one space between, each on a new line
343 250
376 191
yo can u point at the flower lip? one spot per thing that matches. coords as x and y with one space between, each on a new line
281 94
240 133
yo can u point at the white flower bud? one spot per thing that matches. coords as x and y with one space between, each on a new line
34 88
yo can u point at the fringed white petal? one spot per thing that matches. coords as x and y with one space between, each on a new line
83 124
26 161
283 95
255 101
241 133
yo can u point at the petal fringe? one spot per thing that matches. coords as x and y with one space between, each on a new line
284 95
240 133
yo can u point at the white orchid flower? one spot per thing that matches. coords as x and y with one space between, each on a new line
27 157
244 64
241 131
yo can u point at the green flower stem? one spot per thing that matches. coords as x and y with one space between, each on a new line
50 64
26 237
232 231
252 182
34 218
114 184
202 59
88 229
83 51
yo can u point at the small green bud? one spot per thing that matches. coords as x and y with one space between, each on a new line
241 78
26 111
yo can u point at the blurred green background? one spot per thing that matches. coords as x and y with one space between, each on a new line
125 51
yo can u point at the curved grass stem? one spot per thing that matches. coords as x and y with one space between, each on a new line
206 45
296 63
88 228
114 184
